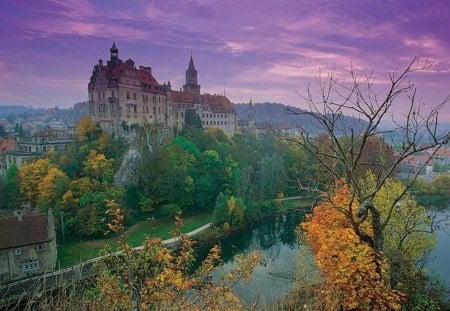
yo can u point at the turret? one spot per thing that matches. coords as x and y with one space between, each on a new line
114 55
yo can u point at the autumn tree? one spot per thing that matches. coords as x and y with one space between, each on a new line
344 158
31 175
52 186
87 130
407 239
159 278
347 149
353 271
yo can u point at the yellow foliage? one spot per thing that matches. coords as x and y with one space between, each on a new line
84 126
348 265
31 175
104 142
47 188
159 278
97 166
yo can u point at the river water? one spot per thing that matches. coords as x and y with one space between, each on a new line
276 241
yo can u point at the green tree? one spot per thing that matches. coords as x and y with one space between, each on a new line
192 119
13 196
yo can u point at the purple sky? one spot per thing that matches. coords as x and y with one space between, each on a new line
264 50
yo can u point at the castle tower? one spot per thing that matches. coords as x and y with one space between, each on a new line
191 79
114 55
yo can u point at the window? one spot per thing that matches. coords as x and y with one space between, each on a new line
40 247
112 93
103 95
159 110
18 251
134 96
98 95
128 95
30 265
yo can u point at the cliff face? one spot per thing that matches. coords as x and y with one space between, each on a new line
127 172
142 141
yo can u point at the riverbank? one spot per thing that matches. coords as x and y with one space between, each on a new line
74 252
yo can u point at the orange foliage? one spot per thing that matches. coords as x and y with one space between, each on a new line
348 265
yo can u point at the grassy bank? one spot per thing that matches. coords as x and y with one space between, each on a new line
71 253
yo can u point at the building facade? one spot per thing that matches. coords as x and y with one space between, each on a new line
27 245
120 94
40 144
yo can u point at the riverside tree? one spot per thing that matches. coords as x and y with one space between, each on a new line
346 152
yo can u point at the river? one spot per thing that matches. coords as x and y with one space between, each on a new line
276 241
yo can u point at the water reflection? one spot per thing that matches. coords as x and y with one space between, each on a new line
276 241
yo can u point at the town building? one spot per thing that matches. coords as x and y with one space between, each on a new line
6 144
40 144
120 95
27 244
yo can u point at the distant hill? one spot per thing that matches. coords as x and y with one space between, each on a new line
273 113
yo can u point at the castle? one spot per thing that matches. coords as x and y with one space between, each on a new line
120 95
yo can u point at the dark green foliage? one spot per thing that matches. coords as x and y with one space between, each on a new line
10 189
192 119
170 210
186 144
220 209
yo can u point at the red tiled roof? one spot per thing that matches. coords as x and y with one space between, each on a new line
7 144
217 103
182 97
32 229
143 74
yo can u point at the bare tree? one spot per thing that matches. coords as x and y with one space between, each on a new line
344 157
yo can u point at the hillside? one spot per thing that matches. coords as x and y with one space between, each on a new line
273 113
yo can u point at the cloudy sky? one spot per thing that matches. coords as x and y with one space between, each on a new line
264 50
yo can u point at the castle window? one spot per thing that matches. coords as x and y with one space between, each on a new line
103 95
225 122
134 96
128 95
154 98
18 251
112 93
92 96
40 247
98 95
182 114
135 109
154 110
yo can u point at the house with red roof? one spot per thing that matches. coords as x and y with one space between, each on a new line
27 244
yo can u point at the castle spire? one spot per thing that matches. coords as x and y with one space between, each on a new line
191 79
191 64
